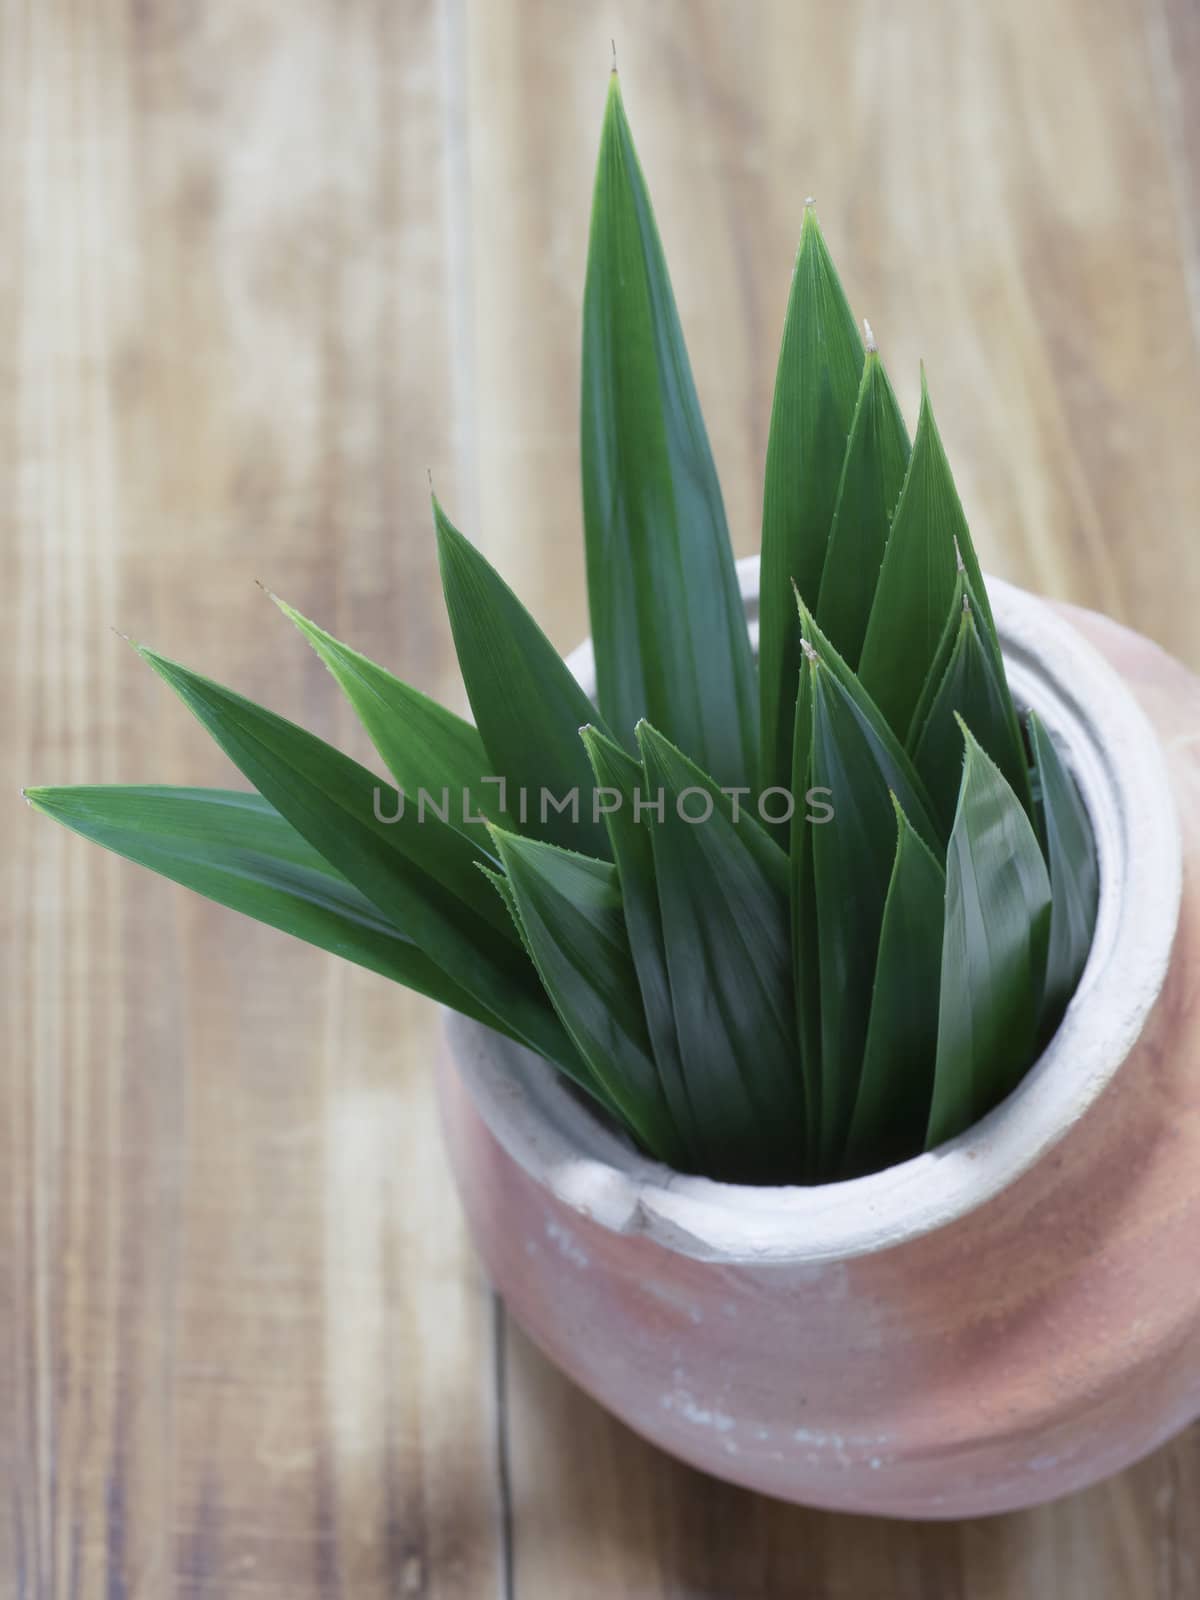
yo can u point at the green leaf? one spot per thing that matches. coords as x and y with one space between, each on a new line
993 950
426 747
973 685
668 625
935 676
816 390
624 779
577 1069
528 708
806 964
420 873
872 477
570 910
1070 853
852 868
917 580
722 888
889 753
898 775
236 849
891 1112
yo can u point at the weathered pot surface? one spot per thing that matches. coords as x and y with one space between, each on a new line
995 1323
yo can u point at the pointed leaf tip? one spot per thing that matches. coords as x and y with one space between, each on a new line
816 388
995 933
668 625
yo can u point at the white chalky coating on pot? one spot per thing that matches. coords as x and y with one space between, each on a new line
566 1243
685 1405
671 1297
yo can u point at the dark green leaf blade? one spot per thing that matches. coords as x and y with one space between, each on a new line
993 950
528 708
570 910
622 781
806 965
234 848
937 666
426 747
577 1069
852 868
725 928
421 874
974 687
816 388
891 1112
1070 853
873 474
900 774
668 624
917 580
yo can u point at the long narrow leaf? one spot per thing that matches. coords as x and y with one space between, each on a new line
528 708
806 964
570 910
426 747
725 926
1070 852
667 621
917 580
993 950
421 874
816 388
900 774
852 867
891 1112
234 848
872 477
940 660
624 779
971 688
577 1069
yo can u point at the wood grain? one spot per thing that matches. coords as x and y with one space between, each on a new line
260 267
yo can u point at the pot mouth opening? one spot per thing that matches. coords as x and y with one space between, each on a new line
1114 756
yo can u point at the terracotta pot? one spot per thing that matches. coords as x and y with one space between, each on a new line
992 1324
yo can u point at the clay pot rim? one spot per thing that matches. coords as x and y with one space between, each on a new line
1122 775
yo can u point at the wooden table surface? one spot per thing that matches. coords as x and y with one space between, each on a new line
261 265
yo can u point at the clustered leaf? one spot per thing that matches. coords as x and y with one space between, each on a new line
791 935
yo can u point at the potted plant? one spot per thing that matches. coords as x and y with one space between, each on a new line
818 1096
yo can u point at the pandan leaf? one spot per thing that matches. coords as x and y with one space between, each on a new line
934 678
668 626
902 776
852 868
806 963
872 477
425 746
994 947
236 849
624 781
528 708
1070 853
504 889
578 1071
891 1112
816 390
917 580
570 910
420 873
725 927
974 686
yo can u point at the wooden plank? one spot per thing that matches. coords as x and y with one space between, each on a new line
246 1349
